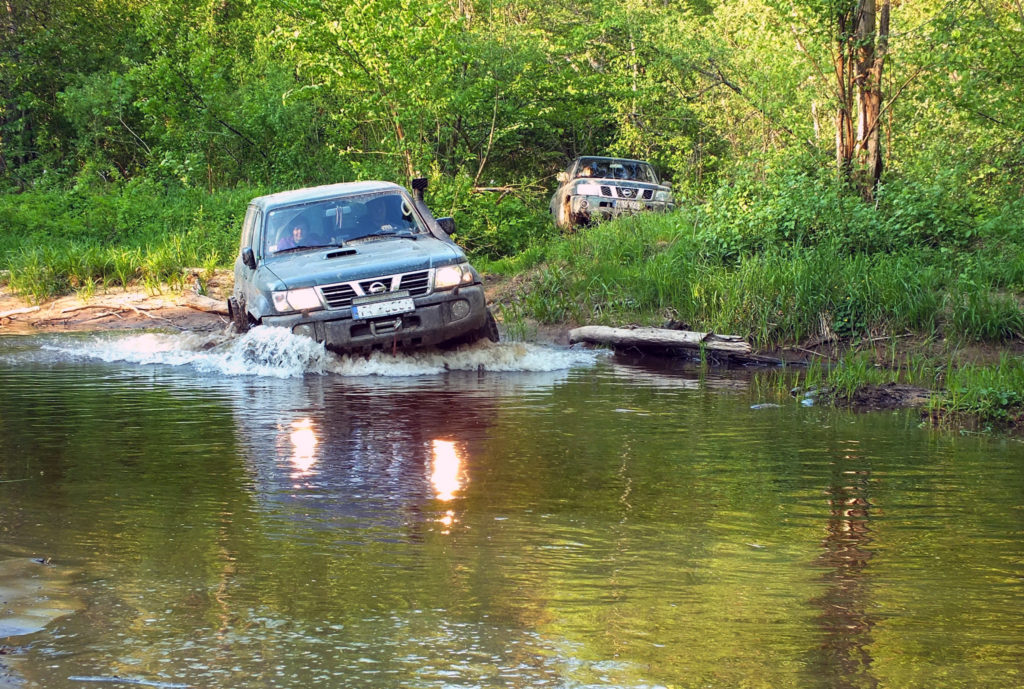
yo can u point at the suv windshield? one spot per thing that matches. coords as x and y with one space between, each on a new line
634 170
333 222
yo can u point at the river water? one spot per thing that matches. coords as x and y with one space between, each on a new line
244 513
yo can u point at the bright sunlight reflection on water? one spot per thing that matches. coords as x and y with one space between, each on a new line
447 474
304 442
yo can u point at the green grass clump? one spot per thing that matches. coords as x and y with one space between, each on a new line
992 394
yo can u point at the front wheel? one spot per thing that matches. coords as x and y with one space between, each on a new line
490 328
239 318
487 331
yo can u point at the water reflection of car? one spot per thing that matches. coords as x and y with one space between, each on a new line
356 266
594 188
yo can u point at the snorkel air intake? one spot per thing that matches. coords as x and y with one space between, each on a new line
419 185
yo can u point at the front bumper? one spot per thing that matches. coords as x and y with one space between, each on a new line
585 208
437 319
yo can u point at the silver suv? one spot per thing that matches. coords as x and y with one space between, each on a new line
594 188
357 266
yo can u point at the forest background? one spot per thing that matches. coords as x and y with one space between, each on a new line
843 168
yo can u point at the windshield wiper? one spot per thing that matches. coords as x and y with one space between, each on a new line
386 233
293 249
311 247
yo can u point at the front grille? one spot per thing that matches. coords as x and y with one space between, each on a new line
338 296
648 193
626 193
606 190
417 283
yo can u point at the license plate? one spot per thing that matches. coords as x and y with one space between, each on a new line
630 205
379 309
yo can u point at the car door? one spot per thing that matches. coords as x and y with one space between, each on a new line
251 240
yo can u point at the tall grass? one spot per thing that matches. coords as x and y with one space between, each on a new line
650 268
53 242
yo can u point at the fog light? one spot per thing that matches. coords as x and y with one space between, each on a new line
305 330
460 309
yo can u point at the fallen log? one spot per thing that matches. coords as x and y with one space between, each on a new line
659 337
732 346
205 304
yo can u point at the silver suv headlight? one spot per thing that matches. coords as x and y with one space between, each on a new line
305 299
663 196
447 277
587 189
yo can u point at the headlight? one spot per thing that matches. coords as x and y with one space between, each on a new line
305 299
447 277
664 196
587 189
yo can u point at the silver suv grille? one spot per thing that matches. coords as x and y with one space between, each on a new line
340 295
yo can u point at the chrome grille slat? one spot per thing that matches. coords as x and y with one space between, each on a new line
417 283
338 296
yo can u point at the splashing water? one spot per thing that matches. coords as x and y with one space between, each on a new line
277 352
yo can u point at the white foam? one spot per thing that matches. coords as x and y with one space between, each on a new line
276 352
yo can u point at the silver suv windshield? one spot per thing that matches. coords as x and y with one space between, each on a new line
333 222
603 168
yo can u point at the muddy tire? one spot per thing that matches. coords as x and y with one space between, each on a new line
563 219
490 328
239 318
487 331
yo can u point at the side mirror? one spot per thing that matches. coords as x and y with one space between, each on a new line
248 258
447 224
562 176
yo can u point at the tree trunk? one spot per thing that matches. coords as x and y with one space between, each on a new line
870 62
845 145
859 60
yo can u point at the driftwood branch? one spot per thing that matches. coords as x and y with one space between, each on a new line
16 312
113 308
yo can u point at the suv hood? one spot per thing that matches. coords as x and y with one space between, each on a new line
362 260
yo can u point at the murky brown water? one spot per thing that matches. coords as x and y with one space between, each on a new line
600 524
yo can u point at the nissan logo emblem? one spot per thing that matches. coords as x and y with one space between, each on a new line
378 288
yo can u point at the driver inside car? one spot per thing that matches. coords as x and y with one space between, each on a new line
297 237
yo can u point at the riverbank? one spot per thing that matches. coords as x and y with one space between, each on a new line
181 309
954 383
